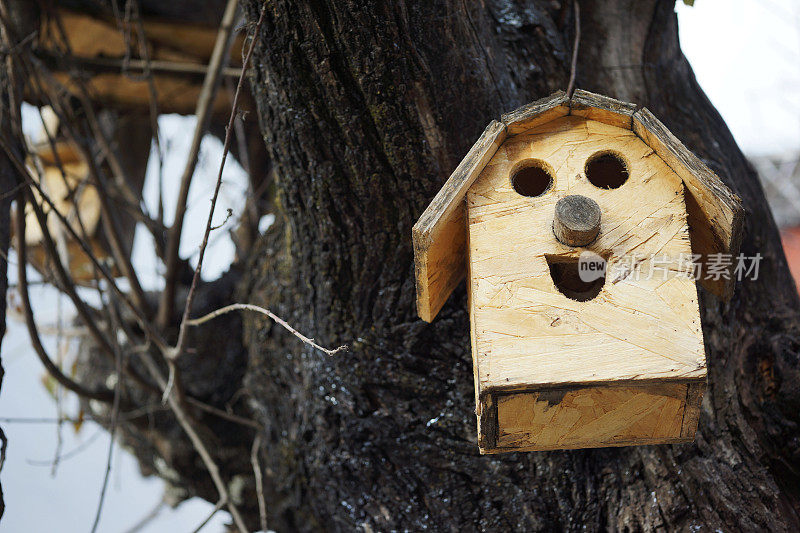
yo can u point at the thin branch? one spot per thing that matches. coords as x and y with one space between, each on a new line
3 446
222 414
227 218
136 66
273 316
179 347
149 517
113 429
188 427
109 216
70 454
154 112
38 420
211 83
214 511
262 506
141 318
575 45
22 275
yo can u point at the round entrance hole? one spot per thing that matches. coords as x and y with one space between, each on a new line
606 170
532 179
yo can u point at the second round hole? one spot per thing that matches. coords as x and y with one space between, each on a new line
606 171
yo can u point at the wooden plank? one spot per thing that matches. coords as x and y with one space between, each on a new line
179 54
486 410
176 94
535 113
602 109
439 236
691 414
715 212
591 417
97 36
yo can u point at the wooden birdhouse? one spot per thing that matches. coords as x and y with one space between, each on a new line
580 224
72 194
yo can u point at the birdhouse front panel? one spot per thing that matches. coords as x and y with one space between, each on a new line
569 359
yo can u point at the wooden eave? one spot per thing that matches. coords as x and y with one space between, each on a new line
111 70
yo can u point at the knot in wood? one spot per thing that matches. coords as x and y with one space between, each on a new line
577 220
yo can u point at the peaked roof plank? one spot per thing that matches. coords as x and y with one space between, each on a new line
715 213
440 234
537 112
601 108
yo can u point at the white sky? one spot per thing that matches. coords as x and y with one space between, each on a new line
746 55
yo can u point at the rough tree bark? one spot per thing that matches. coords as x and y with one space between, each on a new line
15 19
365 108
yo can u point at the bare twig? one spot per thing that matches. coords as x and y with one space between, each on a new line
141 318
223 414
273 316
73 452
227 218
154 112
179 346
262 505
59 392
214 511
151 515
38 420
113 429
576 43
188 427
218 60
22 275
3 445
109 217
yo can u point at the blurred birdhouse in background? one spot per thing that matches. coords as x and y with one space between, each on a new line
64 177
580 224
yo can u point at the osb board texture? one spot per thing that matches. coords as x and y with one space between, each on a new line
592 417
716 214
527 333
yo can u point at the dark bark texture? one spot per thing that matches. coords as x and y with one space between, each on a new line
365 108
17 19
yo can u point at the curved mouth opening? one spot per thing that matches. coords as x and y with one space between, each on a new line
579 279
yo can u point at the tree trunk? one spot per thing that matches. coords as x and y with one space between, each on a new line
365 109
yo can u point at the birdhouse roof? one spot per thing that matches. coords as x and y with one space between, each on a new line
714 212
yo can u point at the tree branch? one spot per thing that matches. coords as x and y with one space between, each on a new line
219 58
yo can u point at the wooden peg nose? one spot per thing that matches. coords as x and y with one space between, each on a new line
577 220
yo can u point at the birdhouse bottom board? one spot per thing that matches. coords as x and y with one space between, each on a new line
559 364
